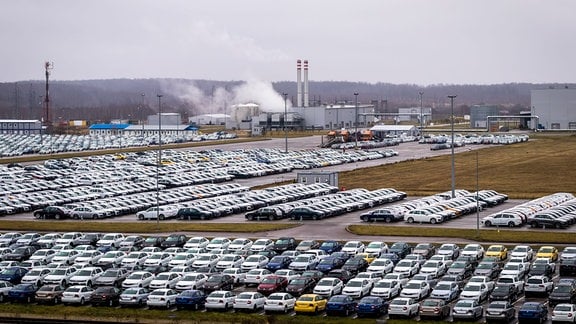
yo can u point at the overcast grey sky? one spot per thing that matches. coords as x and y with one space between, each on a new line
397 41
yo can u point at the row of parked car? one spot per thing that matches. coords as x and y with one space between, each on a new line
341 278
553 211
437 208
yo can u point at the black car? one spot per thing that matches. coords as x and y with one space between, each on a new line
402 249
55 212
500 311
284 243
190 213
314 274
331 246
562 293
341 274
541 269
268 253
174 240
20 254
106 295
218 281
87 239
301 213
355 265
301 285
268 213
567 267
153 241
504 292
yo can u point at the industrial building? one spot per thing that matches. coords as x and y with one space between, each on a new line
414 114
555 109
20 126
479 115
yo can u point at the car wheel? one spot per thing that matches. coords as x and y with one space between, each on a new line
410 220
388 220
111 303
487 223
511 224
433 221
141 217
82 302
168 305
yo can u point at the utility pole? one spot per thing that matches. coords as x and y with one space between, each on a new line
453 176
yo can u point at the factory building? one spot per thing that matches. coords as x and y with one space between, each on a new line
20 126
479 115
555 109
414 113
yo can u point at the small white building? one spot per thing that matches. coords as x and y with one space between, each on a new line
20 126
381 131
209 119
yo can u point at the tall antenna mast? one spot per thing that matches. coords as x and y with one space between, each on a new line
47 66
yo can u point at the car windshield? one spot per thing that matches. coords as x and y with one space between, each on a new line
412 285
484 266
383 284
563 308
275 297
562 289
269 280
442 287
398 302
244 296
298 281
497 306
501 289
464 304
306 299
529 306
216 295
84 273
472 288
431 302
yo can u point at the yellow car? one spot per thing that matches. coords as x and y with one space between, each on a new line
548 252
499 251
310 303
369 257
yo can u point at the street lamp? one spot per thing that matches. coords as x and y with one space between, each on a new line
452 144
142 114
421 119
477 198
285 95
356 120
159 162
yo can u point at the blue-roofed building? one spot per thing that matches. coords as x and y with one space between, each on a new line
107 129
141 130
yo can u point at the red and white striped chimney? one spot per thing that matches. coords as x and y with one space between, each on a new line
306 102
299 83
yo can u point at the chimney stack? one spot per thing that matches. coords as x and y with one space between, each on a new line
306 101
299 83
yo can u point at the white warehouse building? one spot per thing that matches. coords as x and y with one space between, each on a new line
554 108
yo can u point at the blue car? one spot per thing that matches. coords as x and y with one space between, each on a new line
391 256
532 312
193 299
331 246
371 306
278 262
22 293
341 305
330 263
13 274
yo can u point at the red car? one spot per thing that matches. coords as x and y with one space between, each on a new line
271 284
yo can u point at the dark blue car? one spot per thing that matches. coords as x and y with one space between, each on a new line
191 299
331 246
13 274
22 293
391 256
340 305
330 263
371 306
532 312
278 262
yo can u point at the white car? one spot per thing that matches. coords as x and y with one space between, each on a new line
415 289
564 313
230 261
88 257
165 280
357 288
538 285
240 244
161 213
329 287
444 258
134 258
255 276
218 243
353 247
404 307
376 247
196 242
68 238
163 297
370 276
158 259
35 276
65 256
191 281
249 301
255 261
473 250
483 279
409 267
235 273
181 259
287 273
449 249
523 251
279 302
502 219
43 255
514 269
304 262
476 291
568 252
445 290
139 279
86 276
261 245
113 258
206 260
220 299
416 257
111 239
381 266
59 276
386 288
423 216
402 278
49 239
77 295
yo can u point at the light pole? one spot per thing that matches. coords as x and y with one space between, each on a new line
142 114
452 144
356 120
159 162
477 198
285 95
421 119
